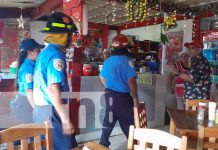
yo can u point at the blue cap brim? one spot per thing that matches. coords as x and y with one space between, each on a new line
40 46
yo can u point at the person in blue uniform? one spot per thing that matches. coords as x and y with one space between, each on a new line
119 79
23 105
51 81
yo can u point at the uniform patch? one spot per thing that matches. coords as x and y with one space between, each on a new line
131 64
29 77
58 64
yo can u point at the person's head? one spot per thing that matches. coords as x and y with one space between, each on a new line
29 49
194 48
120 44
105 54
59 29
184 56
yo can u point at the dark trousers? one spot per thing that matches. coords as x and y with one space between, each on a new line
59 140
119 107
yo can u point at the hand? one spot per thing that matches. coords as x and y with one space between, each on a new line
172 69
68 127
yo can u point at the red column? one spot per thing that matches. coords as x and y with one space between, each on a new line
74 8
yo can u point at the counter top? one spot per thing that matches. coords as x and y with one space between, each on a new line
7 75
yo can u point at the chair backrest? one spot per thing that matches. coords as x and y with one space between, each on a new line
140 116
23 133
207 138
95 146
156 138
193 104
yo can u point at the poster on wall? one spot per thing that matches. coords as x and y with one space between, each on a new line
174 46
74 8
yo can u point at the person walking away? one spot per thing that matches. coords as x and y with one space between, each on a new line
118 76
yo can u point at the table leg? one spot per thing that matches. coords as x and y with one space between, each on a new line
172 127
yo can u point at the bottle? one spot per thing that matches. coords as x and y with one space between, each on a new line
201 111
213 71
216 119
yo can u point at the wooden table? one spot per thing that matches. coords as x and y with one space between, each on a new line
185 122
91 145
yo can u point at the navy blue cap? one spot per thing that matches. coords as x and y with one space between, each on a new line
30 44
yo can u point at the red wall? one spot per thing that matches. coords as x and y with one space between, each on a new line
8 50
96 31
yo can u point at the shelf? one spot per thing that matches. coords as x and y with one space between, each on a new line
215 40
213 62
214 78
208 49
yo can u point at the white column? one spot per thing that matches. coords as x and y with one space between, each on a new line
164 61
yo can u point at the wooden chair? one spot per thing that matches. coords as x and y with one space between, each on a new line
207 138
140 116
193 104
156 138
23 132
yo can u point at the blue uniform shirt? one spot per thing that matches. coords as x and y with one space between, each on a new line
50 68
116 71
25 76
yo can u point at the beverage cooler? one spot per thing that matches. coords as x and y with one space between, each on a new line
210 51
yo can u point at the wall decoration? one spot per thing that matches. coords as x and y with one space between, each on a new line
20 20
141 10
130 12
170 22
174 46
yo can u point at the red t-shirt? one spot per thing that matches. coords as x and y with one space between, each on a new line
179 83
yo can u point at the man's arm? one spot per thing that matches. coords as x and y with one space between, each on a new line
174 71
102 81
133 88
186 77
54 93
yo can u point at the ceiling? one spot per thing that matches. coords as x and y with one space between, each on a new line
102 11
107 12
21 3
